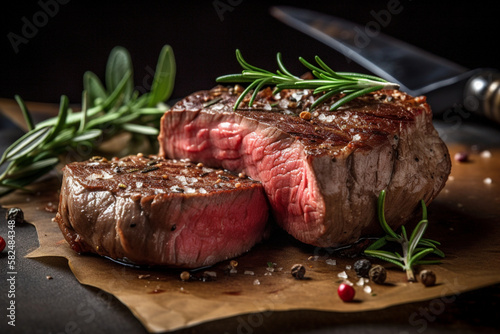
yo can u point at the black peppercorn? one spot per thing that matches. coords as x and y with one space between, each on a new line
377 274
15 214
427 277
362 267
298 271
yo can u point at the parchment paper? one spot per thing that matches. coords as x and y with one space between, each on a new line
464 218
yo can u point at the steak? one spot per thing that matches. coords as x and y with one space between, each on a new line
321 170
151 211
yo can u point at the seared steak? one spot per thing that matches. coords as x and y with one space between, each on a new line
152 211
322 174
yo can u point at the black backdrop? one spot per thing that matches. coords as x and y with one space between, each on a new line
70 37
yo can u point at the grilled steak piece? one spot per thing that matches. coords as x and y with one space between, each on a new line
321 175
152 211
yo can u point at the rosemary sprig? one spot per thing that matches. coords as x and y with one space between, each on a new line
106 111
326 81
414 248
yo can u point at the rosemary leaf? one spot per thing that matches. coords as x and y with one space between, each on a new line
326 81
118 68
414 249
26 114
26 144
93 86
383 257
91 134
141 129
105 112
163 81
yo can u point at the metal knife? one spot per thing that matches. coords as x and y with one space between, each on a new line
446 84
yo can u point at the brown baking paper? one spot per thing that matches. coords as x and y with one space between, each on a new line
465 218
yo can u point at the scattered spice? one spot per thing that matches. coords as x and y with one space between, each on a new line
164 176
199 165
15 214
150 169
305 115
121 185
486 154
131 170
238 89
237 185
427 277
233 263
144 276
2 244
342 275
242 175
209 276
48 277
185 275
362 267
346 292
377 274
461 156
98 158
331 262
298 271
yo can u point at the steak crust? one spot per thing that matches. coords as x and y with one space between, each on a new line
322 174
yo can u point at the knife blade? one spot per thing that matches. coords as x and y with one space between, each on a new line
418 72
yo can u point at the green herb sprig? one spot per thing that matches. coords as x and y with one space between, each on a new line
326 81
414 248
106 111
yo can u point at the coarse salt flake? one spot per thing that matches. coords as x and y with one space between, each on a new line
256 282
367 289
342 274
211 273
487 180
331 262
248 272
486 154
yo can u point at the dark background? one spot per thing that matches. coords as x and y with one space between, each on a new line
78 36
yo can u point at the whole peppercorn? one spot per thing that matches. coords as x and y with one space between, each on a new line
185 275
16 215
462 157
298 271
427 277
362 267
377 274
346 292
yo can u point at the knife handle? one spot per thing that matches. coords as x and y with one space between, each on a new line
482 94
